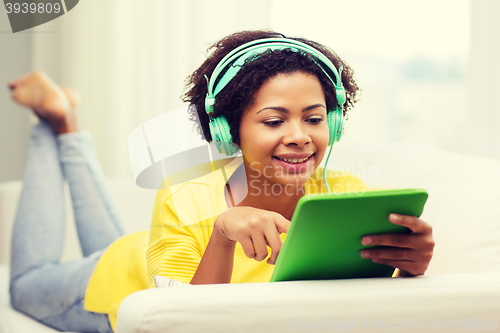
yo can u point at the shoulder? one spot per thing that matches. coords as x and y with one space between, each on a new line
192 201
171 188
339 181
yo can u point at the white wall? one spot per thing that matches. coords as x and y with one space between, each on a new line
483 117
15 59
409 57
129 61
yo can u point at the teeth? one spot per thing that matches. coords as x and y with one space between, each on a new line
294 160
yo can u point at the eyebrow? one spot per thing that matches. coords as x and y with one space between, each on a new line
285 110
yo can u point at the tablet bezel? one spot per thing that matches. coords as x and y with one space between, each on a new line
320 227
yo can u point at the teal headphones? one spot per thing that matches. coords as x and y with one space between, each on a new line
229 66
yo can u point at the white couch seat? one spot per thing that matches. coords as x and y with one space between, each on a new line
462 281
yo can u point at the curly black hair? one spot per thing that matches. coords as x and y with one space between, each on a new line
239 92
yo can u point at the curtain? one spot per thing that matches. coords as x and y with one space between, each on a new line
483 129
129 60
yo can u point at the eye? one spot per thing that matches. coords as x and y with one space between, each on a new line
273 123
315 121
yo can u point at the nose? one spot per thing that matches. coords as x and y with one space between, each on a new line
296 134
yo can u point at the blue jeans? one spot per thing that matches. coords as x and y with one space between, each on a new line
41 286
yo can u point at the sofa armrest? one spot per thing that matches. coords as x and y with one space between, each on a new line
363 304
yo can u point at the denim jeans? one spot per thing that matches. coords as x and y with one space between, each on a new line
41 286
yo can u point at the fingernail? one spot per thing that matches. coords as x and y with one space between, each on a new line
366 240
376 260
394 217
365 253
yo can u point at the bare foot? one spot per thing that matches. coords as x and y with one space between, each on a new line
72 95
49 101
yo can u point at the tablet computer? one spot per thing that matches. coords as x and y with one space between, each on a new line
324 239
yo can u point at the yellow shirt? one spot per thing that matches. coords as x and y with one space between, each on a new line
183 223
120 271
181 226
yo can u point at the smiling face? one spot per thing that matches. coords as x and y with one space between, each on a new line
284 133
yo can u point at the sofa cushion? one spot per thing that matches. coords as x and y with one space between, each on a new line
135 207
364 305
463 205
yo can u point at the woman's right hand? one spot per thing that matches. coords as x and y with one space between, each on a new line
255 229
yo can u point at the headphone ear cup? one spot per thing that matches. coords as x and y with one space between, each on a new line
335 124
221 135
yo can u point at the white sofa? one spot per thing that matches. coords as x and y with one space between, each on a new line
135 205
461 286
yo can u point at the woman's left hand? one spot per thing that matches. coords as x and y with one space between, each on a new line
411 253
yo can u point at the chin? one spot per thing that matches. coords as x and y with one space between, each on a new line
294 181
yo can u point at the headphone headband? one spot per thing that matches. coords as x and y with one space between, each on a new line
237 57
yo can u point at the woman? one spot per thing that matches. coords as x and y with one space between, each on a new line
276 106
277 103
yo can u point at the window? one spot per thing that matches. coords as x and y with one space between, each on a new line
410 59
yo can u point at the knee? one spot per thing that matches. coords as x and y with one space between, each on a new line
19 296
12 289
15 300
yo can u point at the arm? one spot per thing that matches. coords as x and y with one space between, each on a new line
216 265
254 228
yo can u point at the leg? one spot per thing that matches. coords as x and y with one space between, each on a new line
38 231
41 287
96 217
54 295
97 221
